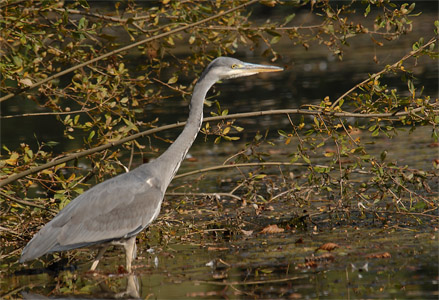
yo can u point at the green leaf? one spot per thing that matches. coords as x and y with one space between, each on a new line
282 133
272 32
316 121
30 153
82 24
376 132
411 86
306 159
367 11
383 155
294 159
231 138
420 205
340 103
17 61
275 40
321 170
288 19
84 3
91 135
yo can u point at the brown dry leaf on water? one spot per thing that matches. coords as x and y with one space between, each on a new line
379 255
272 229
328 247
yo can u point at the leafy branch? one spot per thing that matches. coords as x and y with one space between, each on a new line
128 47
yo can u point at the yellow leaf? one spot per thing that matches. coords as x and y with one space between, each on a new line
173 80
12 159
71 177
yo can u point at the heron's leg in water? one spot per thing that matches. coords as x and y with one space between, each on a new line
130 251
98 257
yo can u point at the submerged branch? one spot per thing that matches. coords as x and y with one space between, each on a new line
250 282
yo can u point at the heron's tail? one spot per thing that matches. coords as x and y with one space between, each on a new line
43 242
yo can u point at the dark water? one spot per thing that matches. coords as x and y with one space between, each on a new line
219 263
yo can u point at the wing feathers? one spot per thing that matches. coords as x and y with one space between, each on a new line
111 210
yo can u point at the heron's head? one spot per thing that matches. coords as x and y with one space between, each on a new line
227 67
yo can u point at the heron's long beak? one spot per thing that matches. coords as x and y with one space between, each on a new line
255 68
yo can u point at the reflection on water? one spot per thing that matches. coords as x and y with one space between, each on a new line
131 291
262 266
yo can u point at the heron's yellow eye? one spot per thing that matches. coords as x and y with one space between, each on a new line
234 66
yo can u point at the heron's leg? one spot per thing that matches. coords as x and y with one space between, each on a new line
98 257
130 252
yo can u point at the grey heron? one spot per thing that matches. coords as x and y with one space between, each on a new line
113 212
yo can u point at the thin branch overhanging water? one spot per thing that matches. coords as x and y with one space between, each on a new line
393 116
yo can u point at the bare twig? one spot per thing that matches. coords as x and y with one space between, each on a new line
10 231
49 113
170 86
219 167
204 195
27 203
262 28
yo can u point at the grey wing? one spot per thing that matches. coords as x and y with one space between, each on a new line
117 208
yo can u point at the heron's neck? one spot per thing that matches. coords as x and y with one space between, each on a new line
170 160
